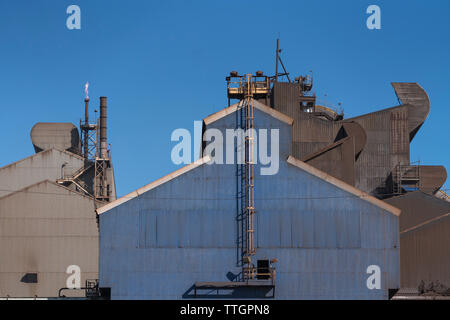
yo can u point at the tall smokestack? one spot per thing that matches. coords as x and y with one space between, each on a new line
86 131
103 140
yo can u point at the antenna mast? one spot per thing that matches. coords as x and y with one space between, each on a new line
277 58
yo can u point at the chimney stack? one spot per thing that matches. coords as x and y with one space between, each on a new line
86 130
103 139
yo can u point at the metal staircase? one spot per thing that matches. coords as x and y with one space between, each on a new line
406 177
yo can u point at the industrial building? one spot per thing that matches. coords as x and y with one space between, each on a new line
185 235
424 231
372 153
47 209
345 202
310 231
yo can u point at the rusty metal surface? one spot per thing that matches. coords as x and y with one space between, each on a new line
425 253
424 238
381 138
378 158
44 229
432 178
415 97
103 131
337 159
353 129
418 207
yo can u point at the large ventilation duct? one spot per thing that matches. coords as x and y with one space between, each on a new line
415 97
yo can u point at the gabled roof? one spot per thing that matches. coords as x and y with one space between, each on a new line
208 120
258 105
153 184
41 153
308 168
342 185
42 182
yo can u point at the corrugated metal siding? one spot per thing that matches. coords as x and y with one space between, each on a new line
399 137
418 207
416 98
41 166
158 245
339 160
377 159
425 254
309 133
387 138
43 230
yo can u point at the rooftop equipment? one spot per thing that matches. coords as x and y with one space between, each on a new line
95 151
238 86
278 59
406 178
89 130
62 136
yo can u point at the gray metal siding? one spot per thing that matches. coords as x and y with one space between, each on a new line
41 166
43 230
156 246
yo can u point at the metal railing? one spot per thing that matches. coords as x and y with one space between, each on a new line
406 176
251 273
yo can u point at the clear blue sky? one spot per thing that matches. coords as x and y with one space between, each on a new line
162 65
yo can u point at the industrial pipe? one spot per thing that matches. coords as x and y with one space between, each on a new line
103 139
86 130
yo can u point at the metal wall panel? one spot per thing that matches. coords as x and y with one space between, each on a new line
40 166
323 237
375 163
416 98
387 141
418 207
44 229
425 254
424 238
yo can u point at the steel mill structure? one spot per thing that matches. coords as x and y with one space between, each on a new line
343 203
48 221
337 207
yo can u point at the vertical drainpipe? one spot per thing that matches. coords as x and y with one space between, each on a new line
103 140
